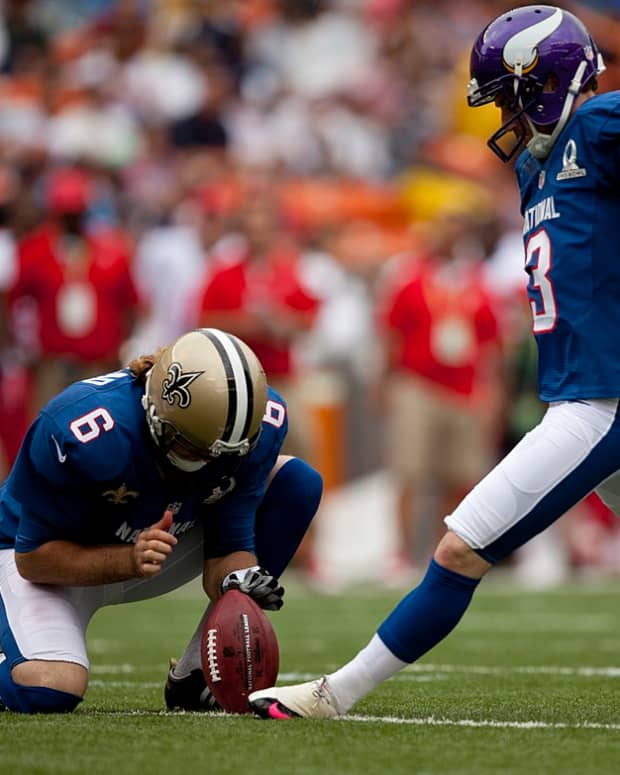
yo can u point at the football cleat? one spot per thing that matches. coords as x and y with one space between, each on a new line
313 699
189 692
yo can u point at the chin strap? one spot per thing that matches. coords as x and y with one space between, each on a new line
541 144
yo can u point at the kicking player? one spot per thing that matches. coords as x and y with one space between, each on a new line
540 66
129 485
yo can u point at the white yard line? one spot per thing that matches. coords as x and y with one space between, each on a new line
430 721
123 669
583 671
412 673
406 675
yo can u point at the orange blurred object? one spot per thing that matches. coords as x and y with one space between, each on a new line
363 245
461 154
316 202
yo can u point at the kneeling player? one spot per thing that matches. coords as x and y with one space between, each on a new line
131 484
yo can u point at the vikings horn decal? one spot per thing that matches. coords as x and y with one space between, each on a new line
176 385
522 49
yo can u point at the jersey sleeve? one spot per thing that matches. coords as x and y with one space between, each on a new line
69 454
602 124
48 488
229 526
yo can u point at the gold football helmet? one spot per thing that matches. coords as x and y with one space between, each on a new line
207 393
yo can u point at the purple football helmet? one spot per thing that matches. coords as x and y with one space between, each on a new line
536 59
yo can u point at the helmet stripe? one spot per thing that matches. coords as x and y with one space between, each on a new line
249 387
235 366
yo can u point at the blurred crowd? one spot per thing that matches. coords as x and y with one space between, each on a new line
303 173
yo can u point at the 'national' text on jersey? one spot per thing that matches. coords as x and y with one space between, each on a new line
542 211
130 535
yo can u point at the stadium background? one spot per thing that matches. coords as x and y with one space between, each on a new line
168 121
342 128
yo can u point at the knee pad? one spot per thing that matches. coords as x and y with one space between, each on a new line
33 699
285 514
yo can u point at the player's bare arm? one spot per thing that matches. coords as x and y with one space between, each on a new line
65 563
217 568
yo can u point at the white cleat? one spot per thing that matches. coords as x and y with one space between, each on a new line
313 699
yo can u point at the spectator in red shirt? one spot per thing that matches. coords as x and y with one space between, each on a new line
257 292
14 386
75 286
441 347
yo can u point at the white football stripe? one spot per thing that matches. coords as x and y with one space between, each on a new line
241 387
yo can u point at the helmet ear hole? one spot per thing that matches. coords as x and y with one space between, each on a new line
552 84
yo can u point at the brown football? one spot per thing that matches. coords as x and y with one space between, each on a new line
239 651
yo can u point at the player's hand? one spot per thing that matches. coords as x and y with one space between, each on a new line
153 546
259 584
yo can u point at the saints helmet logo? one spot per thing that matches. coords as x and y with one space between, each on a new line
175 386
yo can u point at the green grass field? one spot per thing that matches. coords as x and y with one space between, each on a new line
528 683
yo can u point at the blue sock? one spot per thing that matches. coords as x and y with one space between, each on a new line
428 613
282 519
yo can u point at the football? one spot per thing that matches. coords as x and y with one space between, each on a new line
239 651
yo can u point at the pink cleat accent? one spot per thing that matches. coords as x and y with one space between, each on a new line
275 712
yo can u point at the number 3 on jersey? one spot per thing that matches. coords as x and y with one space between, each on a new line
542 297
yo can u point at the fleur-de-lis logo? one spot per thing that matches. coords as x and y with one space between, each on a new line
175 386
121 496
227 483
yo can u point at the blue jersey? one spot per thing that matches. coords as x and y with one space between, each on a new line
571 205
87 472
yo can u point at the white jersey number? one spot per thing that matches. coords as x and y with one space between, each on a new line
105 379
538 261
275 414
89 426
